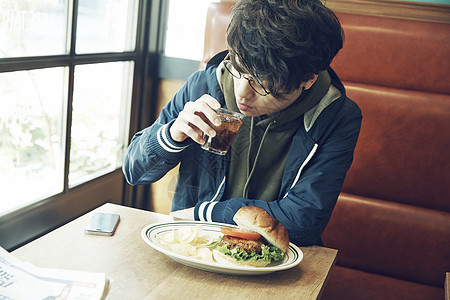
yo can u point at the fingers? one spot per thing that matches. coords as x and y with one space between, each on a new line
213 103
195 119
206 106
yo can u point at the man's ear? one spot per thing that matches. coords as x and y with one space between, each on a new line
308 84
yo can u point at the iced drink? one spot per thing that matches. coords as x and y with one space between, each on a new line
225 132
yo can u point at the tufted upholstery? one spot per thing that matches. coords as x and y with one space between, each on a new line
392 52
393 216
391 223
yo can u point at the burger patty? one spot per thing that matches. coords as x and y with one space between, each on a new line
247 245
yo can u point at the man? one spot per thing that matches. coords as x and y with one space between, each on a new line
296 144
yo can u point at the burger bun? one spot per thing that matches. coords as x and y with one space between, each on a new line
257 219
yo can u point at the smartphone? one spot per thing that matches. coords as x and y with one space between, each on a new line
102 224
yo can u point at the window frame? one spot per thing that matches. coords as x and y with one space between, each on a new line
27 223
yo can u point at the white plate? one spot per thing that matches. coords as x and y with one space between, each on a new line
292 257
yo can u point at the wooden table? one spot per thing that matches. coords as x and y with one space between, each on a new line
137 271
447 286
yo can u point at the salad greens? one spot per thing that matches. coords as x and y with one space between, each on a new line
268 254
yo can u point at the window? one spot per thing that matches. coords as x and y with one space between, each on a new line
33 27
100 119
32 127
186 28
66 87
183 32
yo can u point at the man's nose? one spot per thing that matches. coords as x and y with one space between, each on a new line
244 90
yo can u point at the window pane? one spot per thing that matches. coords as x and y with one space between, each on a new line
186 28
100 119
106 26
33 27
32 129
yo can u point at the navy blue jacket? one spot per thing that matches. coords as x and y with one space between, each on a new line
320 155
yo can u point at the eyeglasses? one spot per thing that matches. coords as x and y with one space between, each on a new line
256 86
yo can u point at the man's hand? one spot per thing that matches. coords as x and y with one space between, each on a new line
184 214
193 120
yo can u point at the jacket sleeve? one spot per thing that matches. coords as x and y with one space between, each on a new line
152 152
306 208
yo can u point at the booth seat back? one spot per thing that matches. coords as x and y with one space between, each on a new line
399 73
393 215
217 20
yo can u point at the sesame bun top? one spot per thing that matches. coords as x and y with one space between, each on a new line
257 219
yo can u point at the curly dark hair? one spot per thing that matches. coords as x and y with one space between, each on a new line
283 42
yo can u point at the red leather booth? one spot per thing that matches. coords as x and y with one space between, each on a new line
391 223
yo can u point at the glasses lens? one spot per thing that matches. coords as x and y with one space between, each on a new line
232 70
257 87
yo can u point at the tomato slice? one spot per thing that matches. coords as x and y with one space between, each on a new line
240 233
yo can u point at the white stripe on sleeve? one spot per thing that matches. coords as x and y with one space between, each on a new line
209 211
201 210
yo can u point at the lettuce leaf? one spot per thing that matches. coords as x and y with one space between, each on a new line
268 254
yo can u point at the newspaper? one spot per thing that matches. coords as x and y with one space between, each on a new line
22 280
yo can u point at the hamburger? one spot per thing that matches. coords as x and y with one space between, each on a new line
259 239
